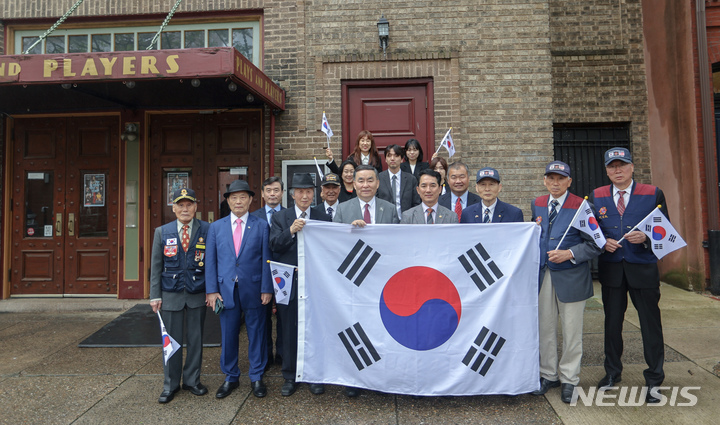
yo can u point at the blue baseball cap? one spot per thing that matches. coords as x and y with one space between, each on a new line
487 173
558 167
184 193
621 154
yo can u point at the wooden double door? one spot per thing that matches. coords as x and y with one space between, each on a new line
205 152
64 206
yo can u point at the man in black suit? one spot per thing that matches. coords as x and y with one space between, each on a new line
330 190
397 187
491 209
177 290
272 192
629 267
283 243
459 197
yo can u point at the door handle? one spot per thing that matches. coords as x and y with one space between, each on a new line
58 224
211 217
71 224
198 215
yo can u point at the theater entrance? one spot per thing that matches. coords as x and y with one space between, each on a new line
64 206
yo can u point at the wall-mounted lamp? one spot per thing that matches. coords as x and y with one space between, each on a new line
129 84
131 132
250 98
232 86
195 82
383 32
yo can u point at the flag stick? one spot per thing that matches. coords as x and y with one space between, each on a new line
641 221
318 168
571 223
443 139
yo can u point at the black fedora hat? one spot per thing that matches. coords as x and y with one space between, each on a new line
302 181
239 186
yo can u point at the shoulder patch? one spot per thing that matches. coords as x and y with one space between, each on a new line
542 201
644 189
602 192
572 202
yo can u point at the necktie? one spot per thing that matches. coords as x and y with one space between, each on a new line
330 211
621 203
270 214
303 214
429 216
487 216
394 189
366 214
553 211
185 239
458 208
237 236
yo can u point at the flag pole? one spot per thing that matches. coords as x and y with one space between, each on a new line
636 226
571 223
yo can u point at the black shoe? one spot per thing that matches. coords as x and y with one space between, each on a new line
198 389
352 391
609 381
288 388
167 396
226 389
259 389
545 385
566 392
650 398
317 389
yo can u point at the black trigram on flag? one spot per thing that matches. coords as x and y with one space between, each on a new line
285 273
483 352
582 223
486 267
672 238
657 246
657 219
361 259
359 347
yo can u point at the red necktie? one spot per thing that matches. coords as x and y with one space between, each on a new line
621 203
237 236
429 216
185 238
458 208
366 214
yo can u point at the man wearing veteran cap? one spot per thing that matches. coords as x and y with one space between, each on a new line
283 242
330 188
629 267
238 281
177 290
565 281
491 209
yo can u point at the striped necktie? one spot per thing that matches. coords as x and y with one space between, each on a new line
553 212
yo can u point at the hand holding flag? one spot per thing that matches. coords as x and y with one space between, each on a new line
170 346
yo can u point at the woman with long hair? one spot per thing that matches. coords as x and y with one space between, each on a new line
441 166
365 153
413 163
347 176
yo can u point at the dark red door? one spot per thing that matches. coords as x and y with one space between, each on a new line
392 110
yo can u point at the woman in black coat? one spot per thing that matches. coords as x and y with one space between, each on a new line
413 163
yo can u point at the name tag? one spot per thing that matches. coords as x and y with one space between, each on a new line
200 246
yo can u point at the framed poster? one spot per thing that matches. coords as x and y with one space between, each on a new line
297 166
176 181
94 190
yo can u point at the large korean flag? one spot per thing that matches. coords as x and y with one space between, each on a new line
423 310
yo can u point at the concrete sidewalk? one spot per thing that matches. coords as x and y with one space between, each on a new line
45 378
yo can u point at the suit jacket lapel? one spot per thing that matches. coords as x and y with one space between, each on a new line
498 213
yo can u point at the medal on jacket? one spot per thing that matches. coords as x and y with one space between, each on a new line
199 256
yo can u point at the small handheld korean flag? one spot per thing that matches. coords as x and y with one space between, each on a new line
663 236
447 143
282 275
325 127
586 222
170 346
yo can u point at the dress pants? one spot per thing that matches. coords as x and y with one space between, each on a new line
646 303
257 347
288 315
567 369
176 323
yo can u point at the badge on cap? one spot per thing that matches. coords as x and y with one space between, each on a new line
171 241
556 167
615 154
487 173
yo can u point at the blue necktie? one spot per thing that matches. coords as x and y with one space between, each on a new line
553 211
487 216
270 214
330 211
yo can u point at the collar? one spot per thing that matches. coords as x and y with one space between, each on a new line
391 174
561 200
298 211
180 226
333 206
453 199
371 203
267 208
425 207
628 190
244 218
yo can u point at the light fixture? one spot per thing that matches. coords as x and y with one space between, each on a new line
250 98
195 82
66 86
232 86
383 32
131 132
129 84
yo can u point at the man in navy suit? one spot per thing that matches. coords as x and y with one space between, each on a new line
283 242
565 281
272 192
491 209
238 276
459 197
396 186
